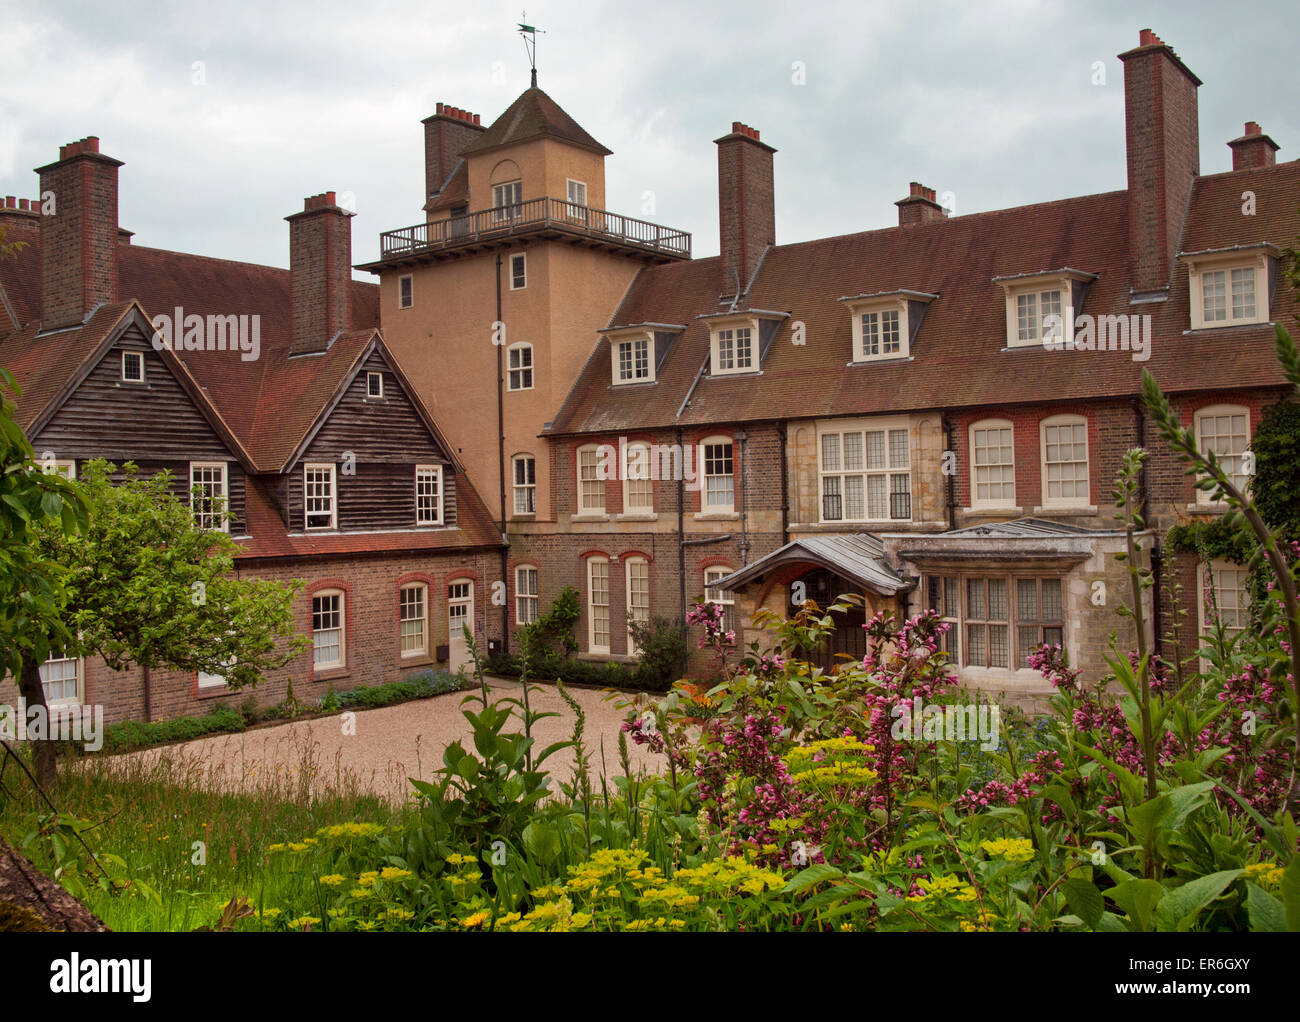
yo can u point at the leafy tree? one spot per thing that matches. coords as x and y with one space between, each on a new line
143 585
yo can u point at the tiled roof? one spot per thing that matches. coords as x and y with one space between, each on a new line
958 357
270 402
455 192
532 115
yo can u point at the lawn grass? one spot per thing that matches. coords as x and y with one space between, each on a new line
151 808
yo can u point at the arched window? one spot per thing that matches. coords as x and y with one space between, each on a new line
519 366
1064 443
993 465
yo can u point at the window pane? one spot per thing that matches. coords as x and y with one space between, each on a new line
830 452
853 509
997 599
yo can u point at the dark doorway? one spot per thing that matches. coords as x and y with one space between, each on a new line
823 587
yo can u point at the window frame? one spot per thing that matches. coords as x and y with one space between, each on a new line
1063 283
524 597
1205 498
863 427
1045 499
219 515
962 620
592 606
528 487
616 344
706 506
439 517
79 681
423 589
1000 504
406 291
1206 581
129 352
342 629
731 327
521 369
569 182
520 259
505 211
629 508
643 613
596 481
879 308
307 469
724 598
1199 269
371 376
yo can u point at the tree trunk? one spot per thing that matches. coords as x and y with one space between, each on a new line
30 901
33 693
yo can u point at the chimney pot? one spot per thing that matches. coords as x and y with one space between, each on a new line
11 201
1254 149
1252 128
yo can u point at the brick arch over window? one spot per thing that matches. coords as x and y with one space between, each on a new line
319 587
1065 461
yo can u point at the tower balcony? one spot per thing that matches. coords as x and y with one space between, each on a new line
544 219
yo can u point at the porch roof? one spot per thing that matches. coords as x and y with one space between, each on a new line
858 558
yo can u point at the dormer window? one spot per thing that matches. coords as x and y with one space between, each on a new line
1229 288
632 359
883 323
1041 307
733 350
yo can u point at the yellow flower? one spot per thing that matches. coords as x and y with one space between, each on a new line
1015 849
333 879
302 922
477 919
393 873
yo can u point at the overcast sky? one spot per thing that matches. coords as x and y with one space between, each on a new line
992 102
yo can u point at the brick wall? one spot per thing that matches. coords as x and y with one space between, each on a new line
746 204
373 652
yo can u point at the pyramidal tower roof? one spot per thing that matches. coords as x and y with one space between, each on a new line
534 115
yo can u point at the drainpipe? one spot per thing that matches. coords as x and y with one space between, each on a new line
785 483
681 550
951 497
743 545
501 471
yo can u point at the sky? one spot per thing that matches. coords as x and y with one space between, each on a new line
227 116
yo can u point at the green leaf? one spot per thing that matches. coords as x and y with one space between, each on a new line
1180 906
542 841
1267 914
1138 898
467 767
1084 900
812 876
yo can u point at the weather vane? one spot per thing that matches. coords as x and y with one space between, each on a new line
529 35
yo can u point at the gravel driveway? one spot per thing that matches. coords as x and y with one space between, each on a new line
395 743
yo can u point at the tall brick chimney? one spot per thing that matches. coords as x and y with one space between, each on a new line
320 271
79 238
746 204
446 134
919 207
1163 145
1253 150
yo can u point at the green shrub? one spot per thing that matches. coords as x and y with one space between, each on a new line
136 734
422 685
662 643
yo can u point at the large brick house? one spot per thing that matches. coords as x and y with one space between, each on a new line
278 398
930 415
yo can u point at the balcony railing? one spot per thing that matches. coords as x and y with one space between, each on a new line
534 214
